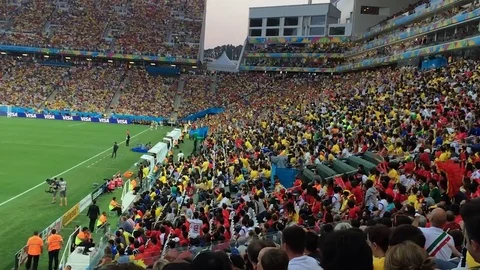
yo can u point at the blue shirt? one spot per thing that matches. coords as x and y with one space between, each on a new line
123 259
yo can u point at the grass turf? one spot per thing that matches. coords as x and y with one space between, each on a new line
33 150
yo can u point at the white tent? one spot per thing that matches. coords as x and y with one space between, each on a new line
223 63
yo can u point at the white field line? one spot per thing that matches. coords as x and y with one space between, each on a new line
76 166
79 124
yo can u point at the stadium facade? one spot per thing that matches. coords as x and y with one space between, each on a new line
349 35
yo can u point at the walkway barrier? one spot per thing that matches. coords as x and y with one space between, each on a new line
69 248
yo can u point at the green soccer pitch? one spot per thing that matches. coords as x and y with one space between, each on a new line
32 150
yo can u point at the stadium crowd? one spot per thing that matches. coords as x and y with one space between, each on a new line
147 95
367 48
27 84
393 35
134 27
416 210
87 89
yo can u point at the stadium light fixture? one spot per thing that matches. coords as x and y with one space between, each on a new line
110 61
68 58
3 53
25 54
173 65
194 66
131 62
46 56
89 59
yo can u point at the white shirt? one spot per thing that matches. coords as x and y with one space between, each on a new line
224 201
303 263
431 234
336 202
195 227
382 206
180 156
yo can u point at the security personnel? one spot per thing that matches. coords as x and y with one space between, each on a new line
34 249
84 239
54 243
102 220
93 213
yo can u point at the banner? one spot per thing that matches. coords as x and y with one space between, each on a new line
99 191
85 202
71 214
57 225
109 55
68 118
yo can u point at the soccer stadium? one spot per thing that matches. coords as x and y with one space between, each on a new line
341 134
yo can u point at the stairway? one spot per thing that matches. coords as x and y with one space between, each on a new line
177 100
213 84
116 98
50 98
77 260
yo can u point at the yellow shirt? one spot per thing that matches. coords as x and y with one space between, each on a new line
244 162
412 199
444 156
254 174
248 145
378 263
471 263
393 174
205 165
335 149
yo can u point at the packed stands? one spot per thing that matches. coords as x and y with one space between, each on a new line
147 95
27 84
196 95
163 28
414 121
385 162
88 89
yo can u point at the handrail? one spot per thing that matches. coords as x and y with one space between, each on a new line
67 249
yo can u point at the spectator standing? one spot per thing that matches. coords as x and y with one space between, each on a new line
93 213
408 255
272 259
471 217
54 243
294 240
438 243
34 249
377 239
346 249
195 227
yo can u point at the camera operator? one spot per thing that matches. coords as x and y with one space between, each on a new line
53 188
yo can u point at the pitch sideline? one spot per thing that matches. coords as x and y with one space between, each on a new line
76 166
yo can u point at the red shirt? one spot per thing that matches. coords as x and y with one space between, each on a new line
353 212
425 158
316 207
357 191
189 191
450 226
389 191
